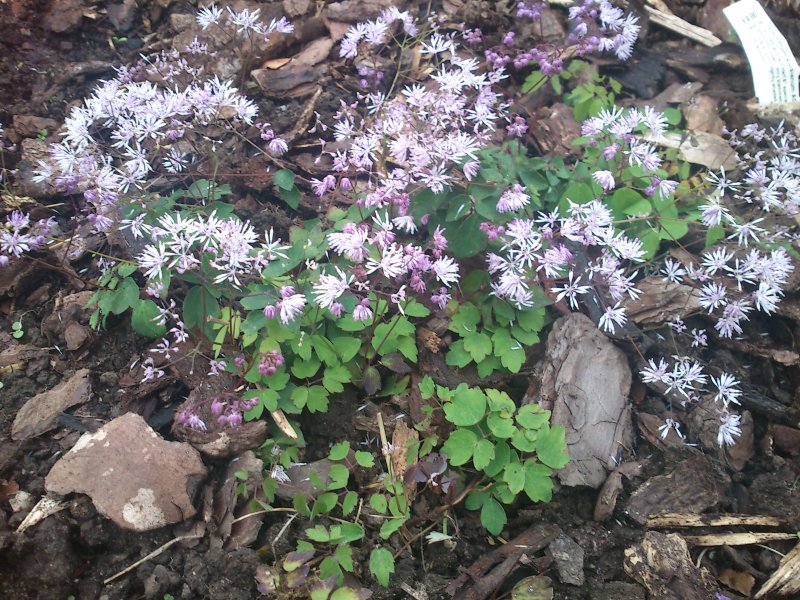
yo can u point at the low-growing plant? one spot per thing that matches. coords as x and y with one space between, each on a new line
433 208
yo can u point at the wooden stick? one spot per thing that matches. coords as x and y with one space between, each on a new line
737 539
678 520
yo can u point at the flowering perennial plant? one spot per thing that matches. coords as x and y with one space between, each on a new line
432 204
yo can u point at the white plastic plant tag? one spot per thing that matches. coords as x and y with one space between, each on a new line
775 70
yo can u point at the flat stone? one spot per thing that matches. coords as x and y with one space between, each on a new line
40 413
133 476
587 380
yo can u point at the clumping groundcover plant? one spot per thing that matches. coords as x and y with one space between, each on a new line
432 205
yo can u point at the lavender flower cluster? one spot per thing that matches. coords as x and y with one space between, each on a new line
536 250
19 235
687 379
151 123
596 26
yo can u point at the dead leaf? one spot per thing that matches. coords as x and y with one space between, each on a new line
400 439
737 580
702 114
314 53
701 148
275 63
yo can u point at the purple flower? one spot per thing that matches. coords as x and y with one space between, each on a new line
605 179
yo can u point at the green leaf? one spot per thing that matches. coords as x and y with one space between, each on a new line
459 206
465 320
349 503
290 196
344 556
532 416
502 427
502 455
457 356
284 179
144 317
500 402
325 350
317 399
672 229
125 296
318 533
488 366
339 451
513 359
524 440
479 345
329 567
551 447
415 309
300 504
460 446
324 504
365 459
346 346
344 593
338 475
538 483
334 377
714 234
650 242
378 503
407 346
426 387
483 454
493 516
639 208
466 238
381 565
514 476
198 305
303 369
467 407
531 319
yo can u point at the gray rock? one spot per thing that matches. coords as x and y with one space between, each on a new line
587 380
123 14
133 476
568 556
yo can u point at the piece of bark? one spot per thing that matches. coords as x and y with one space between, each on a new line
487 579
586 380
606 501
694 485
786 439
785 581
39 414
661 301
661 563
